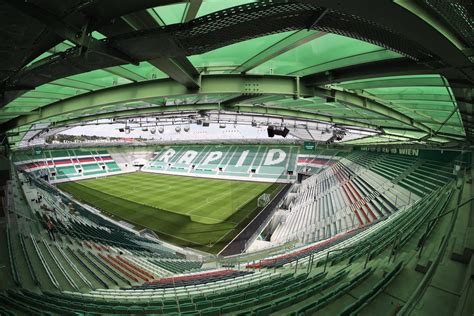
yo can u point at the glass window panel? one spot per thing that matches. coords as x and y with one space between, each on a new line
229 57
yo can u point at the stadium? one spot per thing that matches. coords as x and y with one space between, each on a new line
245 157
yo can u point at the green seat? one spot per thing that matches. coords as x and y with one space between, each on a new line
203 304
230 308
185 301
170 309
264 310
266 297
153 309
169 303
120 309
212 311
248 303
135 308
199 299
282 303
219 301
187 307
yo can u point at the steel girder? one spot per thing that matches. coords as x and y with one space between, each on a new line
353 99
179 68
197 37
229 26
247 109
210 84
384 68
192 8
401 20
285 112
294 40
247 86
81 37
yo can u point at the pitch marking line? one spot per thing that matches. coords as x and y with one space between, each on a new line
239 206
138 188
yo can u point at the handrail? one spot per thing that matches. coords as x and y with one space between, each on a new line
417 294
50 274
429 224
60 265
334 250
16 277
73 266
28 261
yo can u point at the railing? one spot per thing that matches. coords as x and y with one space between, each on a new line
420 290
50 274
16 277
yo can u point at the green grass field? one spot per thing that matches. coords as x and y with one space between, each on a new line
205 214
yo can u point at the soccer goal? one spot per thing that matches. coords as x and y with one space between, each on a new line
263 199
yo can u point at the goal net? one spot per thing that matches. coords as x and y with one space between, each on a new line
263 199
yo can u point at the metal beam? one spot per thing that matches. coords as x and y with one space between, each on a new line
117 70
124 73
238 99
15 113
362 58
274 111
210 84
285 112
80 37
177 71
291 41
434 81
401 20
353 99
179 68
385 68
191 10
139 112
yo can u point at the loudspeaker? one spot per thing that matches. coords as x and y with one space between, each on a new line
276 130
271 131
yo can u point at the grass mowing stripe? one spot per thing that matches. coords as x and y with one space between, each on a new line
181 194
137 198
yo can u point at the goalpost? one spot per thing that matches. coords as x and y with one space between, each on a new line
263 199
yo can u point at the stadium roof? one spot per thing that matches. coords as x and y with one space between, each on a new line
408 75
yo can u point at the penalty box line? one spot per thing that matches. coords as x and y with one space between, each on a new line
224 221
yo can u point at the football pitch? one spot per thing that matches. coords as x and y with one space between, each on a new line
201 213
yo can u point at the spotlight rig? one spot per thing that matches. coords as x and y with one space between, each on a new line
337 135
